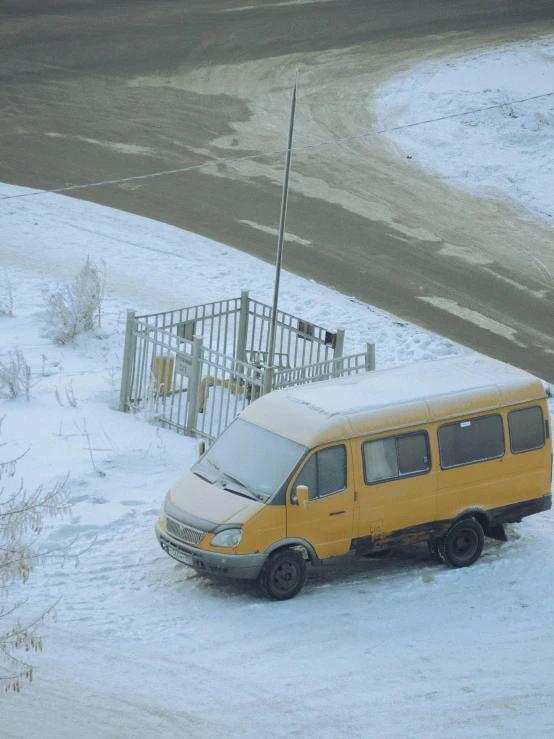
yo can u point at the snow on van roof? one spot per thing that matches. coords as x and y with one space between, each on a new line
393 398
408 384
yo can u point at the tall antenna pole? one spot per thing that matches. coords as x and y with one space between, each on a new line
271 341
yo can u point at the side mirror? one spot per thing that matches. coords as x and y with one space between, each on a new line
303 496
201 448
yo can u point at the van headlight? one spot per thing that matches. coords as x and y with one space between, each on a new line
229 538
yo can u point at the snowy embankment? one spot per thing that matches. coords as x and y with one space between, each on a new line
394 647
503 152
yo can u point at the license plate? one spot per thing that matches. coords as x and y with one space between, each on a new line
186 559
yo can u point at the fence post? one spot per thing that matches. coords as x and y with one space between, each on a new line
243 326
128 366
194 386
370 356
339 344
268 380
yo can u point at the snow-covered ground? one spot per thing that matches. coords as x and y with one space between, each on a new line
505 152
394 647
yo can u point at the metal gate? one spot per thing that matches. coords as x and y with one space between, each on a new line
195 369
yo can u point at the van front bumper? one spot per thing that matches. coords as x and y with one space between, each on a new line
215 564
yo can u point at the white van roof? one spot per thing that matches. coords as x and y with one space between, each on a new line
393 398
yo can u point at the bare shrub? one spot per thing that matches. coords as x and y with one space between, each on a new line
6 297
22 515
15 376
148 407
77 306
70 395
85 433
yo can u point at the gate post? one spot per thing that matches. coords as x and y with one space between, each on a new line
128 364
194 386
339 343
268 380
240 354
370 357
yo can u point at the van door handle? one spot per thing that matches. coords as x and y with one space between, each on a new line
337 513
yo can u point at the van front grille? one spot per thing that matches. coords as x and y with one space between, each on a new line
185 533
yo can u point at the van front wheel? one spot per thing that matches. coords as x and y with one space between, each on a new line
283 575
463 544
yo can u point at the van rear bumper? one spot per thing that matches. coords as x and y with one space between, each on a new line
516 511
214 564
547 502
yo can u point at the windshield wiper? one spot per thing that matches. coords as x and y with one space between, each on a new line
206 479
239 492
253 494
256 495
214 465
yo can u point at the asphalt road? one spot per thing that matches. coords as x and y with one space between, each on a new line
92 90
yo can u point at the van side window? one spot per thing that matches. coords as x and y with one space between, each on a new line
308 476
472 440
331 470
413 454
396 456
325 472
526 429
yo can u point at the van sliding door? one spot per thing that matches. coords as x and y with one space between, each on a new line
396 485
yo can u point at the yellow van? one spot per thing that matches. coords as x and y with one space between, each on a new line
443 452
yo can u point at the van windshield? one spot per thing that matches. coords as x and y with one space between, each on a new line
250 460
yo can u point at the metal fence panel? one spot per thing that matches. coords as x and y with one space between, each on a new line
227 386
297 342
157 384
327 370
194 369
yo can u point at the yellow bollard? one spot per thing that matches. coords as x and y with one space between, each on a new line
210 382
163 374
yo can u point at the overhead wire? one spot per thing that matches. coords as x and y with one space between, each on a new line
306 147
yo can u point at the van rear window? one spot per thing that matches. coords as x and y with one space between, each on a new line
526 429
472 440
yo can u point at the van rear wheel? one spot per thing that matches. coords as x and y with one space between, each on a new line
283 575
463 544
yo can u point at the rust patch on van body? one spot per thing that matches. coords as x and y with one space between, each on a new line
436 529
402 537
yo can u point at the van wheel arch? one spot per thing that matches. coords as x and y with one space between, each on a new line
479 515
493 531
302 547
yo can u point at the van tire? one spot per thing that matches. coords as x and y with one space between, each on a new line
463 544
283 575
